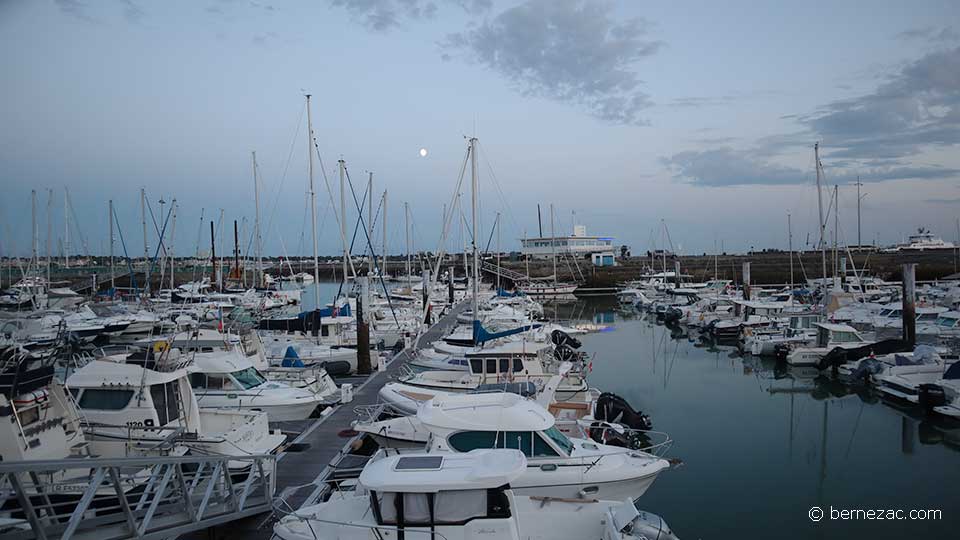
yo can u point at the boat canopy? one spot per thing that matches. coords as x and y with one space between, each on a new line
480 334
107 374
485 412
431 473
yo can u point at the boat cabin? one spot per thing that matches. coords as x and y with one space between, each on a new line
829 334
428 490
464 423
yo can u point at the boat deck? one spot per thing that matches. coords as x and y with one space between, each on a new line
300 475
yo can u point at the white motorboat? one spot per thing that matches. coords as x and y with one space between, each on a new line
137 405
492 367
462 496
561 466
829 337
228 379
943 397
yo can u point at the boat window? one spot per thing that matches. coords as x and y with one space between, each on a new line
946 322
219 382
165 402
559 439
416 509
388 508
105 400
198 380
491 365
504 365
476 366
248 378
884 312
542 448
517 364
459 506
927 317
466 441
518 440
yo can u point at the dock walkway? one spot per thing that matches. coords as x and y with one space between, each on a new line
300 475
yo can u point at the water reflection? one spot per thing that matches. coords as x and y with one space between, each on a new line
778 438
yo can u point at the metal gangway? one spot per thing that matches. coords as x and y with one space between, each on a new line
130 498
512 275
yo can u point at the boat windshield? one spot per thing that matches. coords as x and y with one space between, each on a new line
248 378
559 439
947 322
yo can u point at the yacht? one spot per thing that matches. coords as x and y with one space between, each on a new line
462 496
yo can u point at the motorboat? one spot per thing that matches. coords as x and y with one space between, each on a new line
229 379
464 496
829 337
561 466
492 367
140 404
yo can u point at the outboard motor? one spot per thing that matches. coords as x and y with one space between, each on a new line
930 396
614 409
561 338
563 353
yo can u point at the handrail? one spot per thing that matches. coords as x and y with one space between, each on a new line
40 465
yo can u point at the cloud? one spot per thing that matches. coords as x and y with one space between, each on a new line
728 167
74 8
694 102
132 12
930 34
725 166
386 15
916 108
570 51
878 135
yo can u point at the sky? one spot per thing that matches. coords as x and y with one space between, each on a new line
689 125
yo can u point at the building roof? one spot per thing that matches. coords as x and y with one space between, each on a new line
477 469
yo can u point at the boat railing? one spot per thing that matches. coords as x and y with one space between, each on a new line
404 372
409 529
148 498
375 412
656 443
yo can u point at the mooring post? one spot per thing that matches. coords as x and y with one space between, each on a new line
909 304
746 280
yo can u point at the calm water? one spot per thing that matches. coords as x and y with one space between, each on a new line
762 444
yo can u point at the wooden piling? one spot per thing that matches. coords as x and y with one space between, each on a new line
909 303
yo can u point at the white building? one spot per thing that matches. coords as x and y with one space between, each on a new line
579 244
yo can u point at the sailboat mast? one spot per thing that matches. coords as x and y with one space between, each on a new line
110 210
49 231
498 250
790 245
313 210
383 225
553 245
66 229
473 206
406 229
256 225
370 264
836 231
343 218
173 232
823 225
36 234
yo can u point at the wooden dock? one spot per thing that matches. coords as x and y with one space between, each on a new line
300 475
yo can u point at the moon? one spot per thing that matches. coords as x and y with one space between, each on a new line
423 152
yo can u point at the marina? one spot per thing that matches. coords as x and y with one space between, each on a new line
479 270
